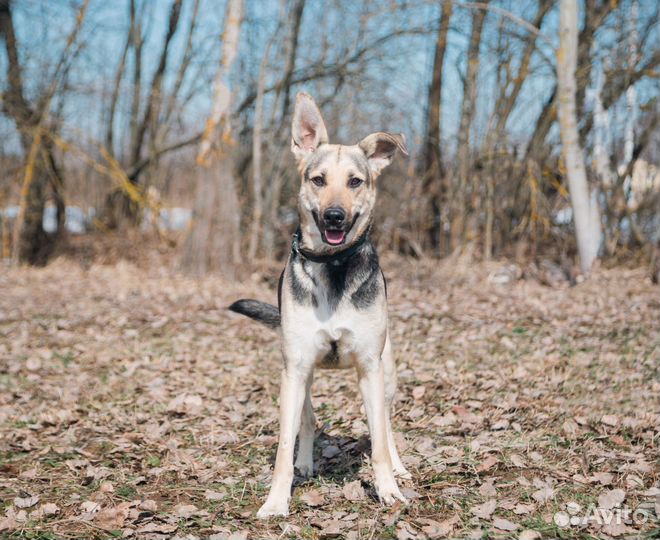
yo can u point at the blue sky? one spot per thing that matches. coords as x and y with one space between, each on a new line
402 71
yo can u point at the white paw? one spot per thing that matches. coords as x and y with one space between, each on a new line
390 496
403 473
277 508
306 470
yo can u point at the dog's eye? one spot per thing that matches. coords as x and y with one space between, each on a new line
318 181
355 182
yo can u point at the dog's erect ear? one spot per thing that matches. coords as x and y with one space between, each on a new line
380 148
307 130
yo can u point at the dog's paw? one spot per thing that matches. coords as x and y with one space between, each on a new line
403 473
305 470
390 497
277 508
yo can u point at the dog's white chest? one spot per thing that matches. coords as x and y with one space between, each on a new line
332 332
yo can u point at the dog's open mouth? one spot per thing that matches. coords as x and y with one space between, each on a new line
334 238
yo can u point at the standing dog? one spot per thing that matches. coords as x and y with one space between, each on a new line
332 300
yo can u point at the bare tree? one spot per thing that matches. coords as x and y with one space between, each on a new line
584 209
41 174
467 115
434 173
118 205
214 238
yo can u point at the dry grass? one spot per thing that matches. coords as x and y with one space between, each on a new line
133 404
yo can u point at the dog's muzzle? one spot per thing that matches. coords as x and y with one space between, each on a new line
334 225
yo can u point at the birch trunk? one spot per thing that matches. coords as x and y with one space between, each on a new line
213 242
585 209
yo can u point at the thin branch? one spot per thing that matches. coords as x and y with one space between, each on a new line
511 16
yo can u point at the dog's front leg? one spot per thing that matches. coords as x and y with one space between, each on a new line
372 388
305 460
292 396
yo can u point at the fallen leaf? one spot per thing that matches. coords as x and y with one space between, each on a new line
570 427
26 502
330 528
90 507
313 497
617 529
521 509
112 518
106 487
634 482
500 424
529 534
161 528
611 498
438 529
610 420
149 505
535 456
504 524
185 510
543 495
603 478
518 460
190 404
418 392
211 495
484 510
487 489
8 523
487 464
45 510
354 491
404 531
29 474
410 493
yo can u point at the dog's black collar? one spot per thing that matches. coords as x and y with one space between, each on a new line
336 257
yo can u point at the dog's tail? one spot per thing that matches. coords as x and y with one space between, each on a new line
259 311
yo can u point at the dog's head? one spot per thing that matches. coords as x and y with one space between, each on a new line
338 185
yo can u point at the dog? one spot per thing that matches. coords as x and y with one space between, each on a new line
332 300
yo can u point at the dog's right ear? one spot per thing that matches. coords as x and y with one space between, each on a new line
307 129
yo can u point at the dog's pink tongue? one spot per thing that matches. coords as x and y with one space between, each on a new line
335 237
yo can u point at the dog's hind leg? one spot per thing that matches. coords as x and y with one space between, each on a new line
305 459
389 369
372 388
292 397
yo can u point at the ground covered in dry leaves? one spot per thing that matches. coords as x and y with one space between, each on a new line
132 404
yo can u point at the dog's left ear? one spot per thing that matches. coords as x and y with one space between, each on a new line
307 128
380 148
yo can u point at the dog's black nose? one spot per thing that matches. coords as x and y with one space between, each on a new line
334 217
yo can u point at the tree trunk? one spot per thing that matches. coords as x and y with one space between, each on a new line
585 210
213 242
257 191
434 175
31 243
118 207
467 114
292 53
